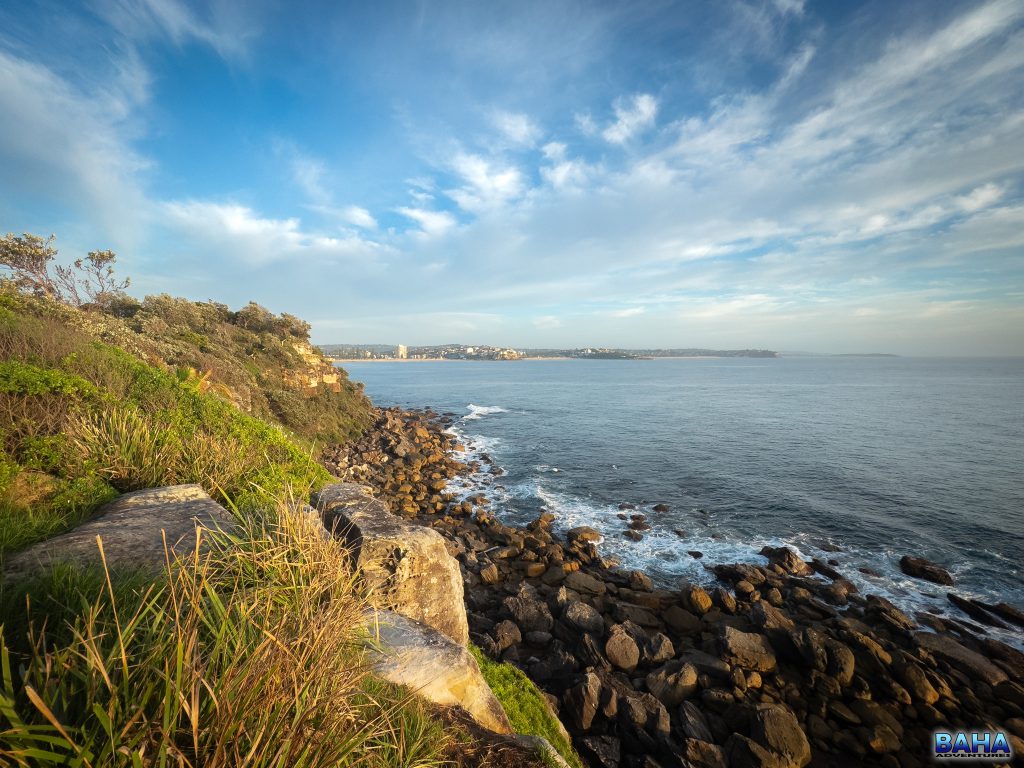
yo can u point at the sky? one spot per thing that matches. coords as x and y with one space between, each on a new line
781 174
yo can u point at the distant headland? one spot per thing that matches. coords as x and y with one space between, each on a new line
356 352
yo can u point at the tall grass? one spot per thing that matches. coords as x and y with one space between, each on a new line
247 655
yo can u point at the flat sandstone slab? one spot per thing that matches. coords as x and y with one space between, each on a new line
132 528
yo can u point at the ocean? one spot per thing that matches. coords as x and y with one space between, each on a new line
873 457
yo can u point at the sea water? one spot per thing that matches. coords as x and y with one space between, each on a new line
878 457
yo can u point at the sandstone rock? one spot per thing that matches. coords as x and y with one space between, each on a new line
404 567
583 618
672 683
915 681
622 650
776 728
489 574
787 560
430 664
132 528
747 650
636 614
657 649
697 599
972 663
920 568
583 533
701 754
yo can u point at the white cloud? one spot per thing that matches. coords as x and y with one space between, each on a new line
359 217
237 231
517 128
432 223
629 312
546 322
485 186
631 117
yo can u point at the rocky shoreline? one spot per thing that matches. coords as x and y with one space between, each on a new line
782 664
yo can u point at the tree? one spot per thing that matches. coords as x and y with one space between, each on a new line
28 259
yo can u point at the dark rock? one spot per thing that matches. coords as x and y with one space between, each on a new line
531 615
657 649
538 639
693 723
583 618
744 752
660 508
632 535
747 650
581 701
681 621
841 661
976 666
601 751
585 583
506 634
1005 611
920 568
975 611
636 614
644 714
707 664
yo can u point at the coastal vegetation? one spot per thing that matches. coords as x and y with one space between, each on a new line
247 653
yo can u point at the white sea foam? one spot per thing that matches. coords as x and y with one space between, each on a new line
479 411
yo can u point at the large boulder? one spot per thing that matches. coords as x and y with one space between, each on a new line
428 663
776 728
405 568
747 649
920 568
134 529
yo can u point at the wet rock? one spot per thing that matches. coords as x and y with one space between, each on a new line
975 611
660 508
582 533
920 568
747 650
786 559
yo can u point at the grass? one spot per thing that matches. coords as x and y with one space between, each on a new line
247 656
525 705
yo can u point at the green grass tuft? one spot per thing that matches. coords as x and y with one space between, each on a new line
525 705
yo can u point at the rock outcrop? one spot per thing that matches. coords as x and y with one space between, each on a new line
404 567
408 653
134 528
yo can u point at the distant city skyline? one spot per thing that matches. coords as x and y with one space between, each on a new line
779 174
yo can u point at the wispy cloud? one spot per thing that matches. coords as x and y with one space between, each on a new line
632 116
432 223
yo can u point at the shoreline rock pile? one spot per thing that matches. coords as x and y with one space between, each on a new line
782 664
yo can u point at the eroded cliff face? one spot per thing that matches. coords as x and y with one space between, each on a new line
316 371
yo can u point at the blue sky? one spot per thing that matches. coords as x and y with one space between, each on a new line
759 173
